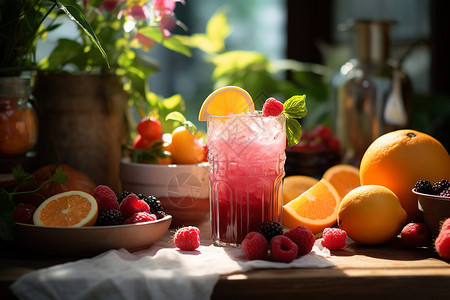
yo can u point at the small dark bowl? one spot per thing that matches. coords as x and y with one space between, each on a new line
310 162
436 209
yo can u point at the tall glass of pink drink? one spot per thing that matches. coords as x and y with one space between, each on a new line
246 153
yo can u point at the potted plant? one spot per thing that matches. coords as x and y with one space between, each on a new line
83 100
21 23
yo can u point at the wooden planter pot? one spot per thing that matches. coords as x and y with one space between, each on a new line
82 123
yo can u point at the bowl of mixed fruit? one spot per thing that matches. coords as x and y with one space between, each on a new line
71 217
317 151
171 166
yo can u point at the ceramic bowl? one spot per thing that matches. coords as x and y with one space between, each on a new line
435 210
91 240
182 189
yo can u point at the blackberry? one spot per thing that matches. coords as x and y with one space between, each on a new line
110 217
155 205
424 187
445 193
269 229
440 186
123 196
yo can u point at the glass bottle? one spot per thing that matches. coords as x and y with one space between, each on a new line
18 120
372 94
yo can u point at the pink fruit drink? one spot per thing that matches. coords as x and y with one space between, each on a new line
246 153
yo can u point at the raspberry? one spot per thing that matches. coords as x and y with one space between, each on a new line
445 225
424 187
123 196
140 217
187 238
24 213
255 245
272 107
415 235
283 249
132 204
334 238
442 243
303 237
110 217
106 198
269 229
439 186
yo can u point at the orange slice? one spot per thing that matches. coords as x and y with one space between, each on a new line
73 208
294 186
226 100
315 209
343 178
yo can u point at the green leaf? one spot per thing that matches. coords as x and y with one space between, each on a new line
59 176
7 222
176 116
176 44
20 175
6 202
191 127
293 131
75 15
6 226
295 107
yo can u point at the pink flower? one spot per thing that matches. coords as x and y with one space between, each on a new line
110 5
139 12
146 42
165 6
167 23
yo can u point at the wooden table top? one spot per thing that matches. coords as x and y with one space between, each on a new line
389 271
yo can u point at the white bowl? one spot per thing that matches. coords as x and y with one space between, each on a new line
182 189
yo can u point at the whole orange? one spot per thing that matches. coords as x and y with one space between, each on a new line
371 215
398 159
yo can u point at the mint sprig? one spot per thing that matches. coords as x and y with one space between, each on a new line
294 109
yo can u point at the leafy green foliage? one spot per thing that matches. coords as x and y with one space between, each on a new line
181 120
21 24
294 109
7 205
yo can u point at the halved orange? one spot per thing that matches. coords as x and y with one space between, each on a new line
294 186
343 178
315 209
226 100
73 208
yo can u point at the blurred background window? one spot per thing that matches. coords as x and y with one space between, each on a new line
317 32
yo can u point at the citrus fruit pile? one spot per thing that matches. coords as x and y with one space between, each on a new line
314 203
375 202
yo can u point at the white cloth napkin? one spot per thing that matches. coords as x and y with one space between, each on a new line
160 272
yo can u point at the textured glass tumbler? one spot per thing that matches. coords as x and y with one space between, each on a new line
246 154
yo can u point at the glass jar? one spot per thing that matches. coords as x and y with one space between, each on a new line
372 94
18 119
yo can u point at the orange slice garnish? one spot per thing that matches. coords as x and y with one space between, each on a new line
226 100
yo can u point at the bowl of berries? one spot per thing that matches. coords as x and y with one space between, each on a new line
317 151
91 224
434 202
170 166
